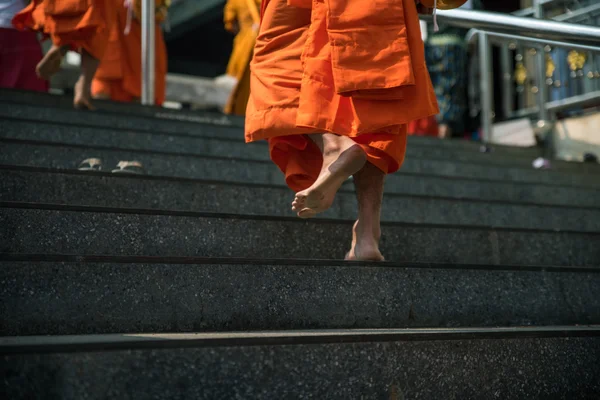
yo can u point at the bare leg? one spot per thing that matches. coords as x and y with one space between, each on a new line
342 157
367 229
50 63
83 87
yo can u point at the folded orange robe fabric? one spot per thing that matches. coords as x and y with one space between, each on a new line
79 24
347 67
119 74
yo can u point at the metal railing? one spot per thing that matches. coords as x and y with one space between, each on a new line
148 51
493 28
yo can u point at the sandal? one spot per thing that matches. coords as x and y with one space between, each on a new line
90 164
129 167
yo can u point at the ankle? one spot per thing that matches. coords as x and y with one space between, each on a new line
367 230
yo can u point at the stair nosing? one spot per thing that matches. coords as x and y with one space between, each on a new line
106 174
204 214
115 342
241 140
268 162
288 262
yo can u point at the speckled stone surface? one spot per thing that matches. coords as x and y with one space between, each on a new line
71 123
103 119
75 232
60 103
14 180
143 192
64 298
164 164
135 140
192 166
466 369
44 108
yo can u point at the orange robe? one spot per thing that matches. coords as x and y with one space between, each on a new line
79 24
244 14
350 67
119 74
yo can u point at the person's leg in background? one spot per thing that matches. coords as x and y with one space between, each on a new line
20 52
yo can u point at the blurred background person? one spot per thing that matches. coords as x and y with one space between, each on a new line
20 51
242 18
446 54
119 75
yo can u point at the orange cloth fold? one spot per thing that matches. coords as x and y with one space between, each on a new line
303 63
79 24
119 74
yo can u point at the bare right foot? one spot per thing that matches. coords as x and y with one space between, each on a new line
365 244
50 64
339 162
83 98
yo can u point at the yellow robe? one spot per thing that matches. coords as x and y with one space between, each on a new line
238 13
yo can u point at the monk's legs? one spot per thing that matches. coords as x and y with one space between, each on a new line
342 157
367 229
50 63
83 87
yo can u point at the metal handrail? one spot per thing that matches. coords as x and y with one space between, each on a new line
472 36
581 13
502 23
487 25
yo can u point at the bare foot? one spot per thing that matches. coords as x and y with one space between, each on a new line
365 244
83 97
339 162
50 64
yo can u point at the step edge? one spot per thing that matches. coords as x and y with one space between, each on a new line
291 219
105 174
268 162
6 258
108 342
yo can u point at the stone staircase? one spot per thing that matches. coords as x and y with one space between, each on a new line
196 280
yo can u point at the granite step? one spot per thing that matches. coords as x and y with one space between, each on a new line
115 190
68 295
110 114
123 110
16 179
216 128
519 363
56 155
59 229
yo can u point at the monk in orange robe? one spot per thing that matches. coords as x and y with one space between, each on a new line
79 25
242 18
333 85
119 76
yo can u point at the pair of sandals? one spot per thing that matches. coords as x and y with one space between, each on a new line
123 167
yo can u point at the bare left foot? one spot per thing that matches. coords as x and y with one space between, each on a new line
50 64
365 244
339 162
83 97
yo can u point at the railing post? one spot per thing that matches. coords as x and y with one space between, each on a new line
148 47
542 93
507 82
486 86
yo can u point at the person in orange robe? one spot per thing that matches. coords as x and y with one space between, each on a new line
119 76
79 25
242 18
333 86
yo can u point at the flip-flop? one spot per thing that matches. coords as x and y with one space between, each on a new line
129 167
90 164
